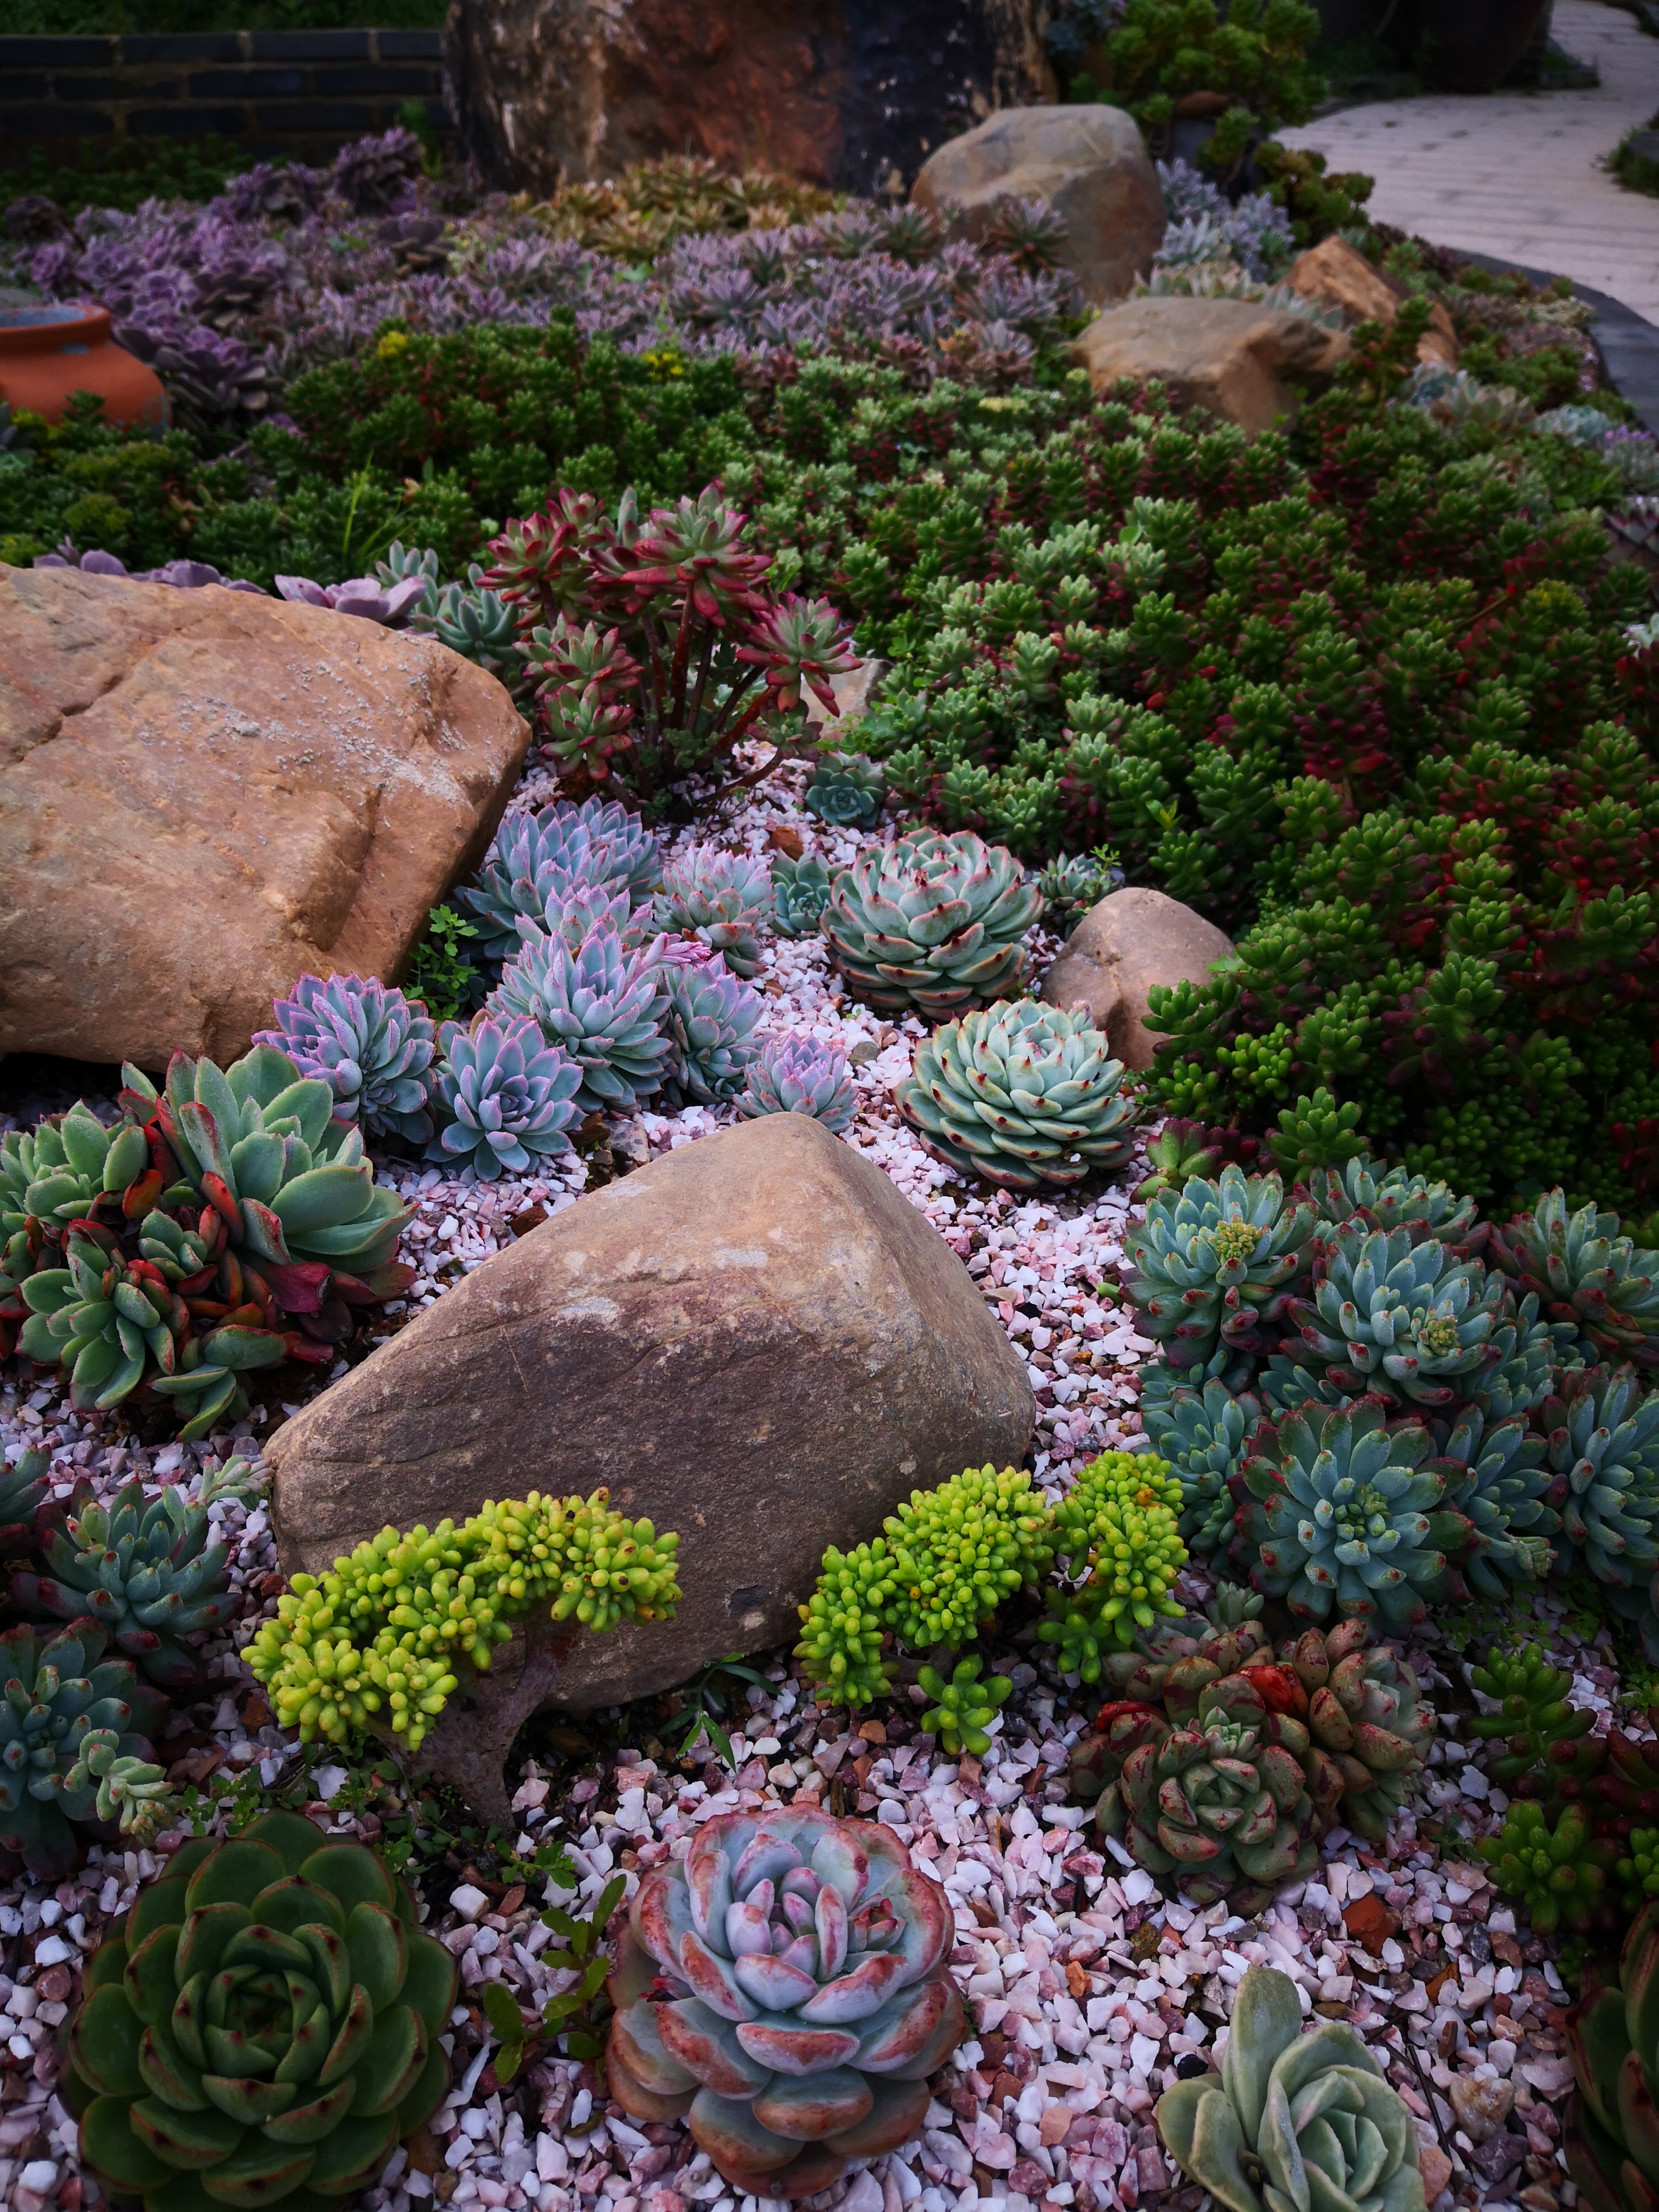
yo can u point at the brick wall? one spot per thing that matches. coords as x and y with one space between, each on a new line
300 92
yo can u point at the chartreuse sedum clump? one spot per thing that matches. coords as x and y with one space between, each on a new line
962 1708
945 1562
385 1630
1022 1094
1292 2119
263 2029
932 924
805 1996
1216 1261
1118 1528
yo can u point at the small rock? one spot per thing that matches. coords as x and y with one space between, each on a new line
468 1901
1370 1922
1132 939
1244 363
1337 275
1436 2169
1481 2106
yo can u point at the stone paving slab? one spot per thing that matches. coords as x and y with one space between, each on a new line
1519 175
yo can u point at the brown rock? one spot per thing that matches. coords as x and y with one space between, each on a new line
1089 164
1370 1922
1436 2170
1132 939
755 1341
1338 275
205 794
1240 360
552 92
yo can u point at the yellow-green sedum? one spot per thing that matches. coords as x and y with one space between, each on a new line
1119 1524
385 1630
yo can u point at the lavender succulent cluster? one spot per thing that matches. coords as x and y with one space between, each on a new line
801 1075
598 1001
710 1020
536 859
183 575
373 1048
719 899
1206 226
392 605
503 1099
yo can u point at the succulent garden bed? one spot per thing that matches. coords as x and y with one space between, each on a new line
1341 1363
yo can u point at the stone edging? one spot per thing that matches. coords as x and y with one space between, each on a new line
1627 343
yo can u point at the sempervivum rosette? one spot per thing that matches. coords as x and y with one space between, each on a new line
802 2000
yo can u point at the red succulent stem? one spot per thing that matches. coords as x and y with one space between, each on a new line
731 699
654 648
682 656
704 665
741 783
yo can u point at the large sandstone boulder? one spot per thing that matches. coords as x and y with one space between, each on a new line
854 97
756 1341
1337 275
1242 361
1132 939
1089 164
205 794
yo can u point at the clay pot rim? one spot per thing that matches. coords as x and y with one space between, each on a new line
51 326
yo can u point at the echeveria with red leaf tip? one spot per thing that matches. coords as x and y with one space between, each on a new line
262 2030
802 1997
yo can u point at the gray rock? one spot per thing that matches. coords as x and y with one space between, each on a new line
1132 939
756 1341
1089 165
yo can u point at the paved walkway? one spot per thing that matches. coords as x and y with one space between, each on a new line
1520 174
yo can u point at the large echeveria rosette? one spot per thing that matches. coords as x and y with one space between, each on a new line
262 2030
802 1998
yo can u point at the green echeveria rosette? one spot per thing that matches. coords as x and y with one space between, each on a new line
1293 2119
719 899
846 790
1205 1436
1021 1094
1391 1199
58 1171
1585 1273
503 1100
1496 1478
262 2030
1074 883
1217 1263
1351 1515
56 1693
1602 1429
800 891
24 1490
931 923
808 1997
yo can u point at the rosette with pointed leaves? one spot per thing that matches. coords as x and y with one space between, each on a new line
263 2029
1392 1198
60 1170
258 1142
1498 1481
1116 1528
1351 1514
373 1048
801 1075
709 1019
559 847
1205 1438
57 1693
807 1996
800 891
1402 1319
599 1003
1604 1431
1074 883
503 1100
475 623
1363 1712
847 790
1169 1665
1022 1094
1585 1271
145 1573
1615 2049
1292 2119
23 1490
1216 1265
719 899
1223 1801
1184 1149
931 923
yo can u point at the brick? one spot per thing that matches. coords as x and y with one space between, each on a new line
54 53
86 84
410 45
311 46
342 115
184 122
376 81
176 50
18 88
248 84
46 123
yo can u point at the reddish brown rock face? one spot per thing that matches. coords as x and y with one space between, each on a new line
854 95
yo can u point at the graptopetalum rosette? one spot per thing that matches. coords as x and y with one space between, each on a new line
801 2001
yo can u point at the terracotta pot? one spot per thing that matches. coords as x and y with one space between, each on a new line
62 346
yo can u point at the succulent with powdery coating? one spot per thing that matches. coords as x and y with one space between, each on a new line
1022 1094
504 1099
1350 1515
807 1997
1603 1447
1585 1271
598 1002
599 842
931 923
1205 1436
1365 1712
1497 1480
801 1075
1217 1263
800 891
847 790
1392 1197
709 1020
719 899
373 1048
1071 884
145 1573
263 2029
57 1693
1292 2119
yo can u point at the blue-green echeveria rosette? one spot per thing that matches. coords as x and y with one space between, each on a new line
598 1002
1293 2123
801 1075
800 891
261 2030
60 1697
373 1048
785 1989
931 923
504 1099
599 843
1216 1264
846 790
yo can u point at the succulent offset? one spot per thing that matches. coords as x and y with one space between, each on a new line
1389 1199
1292 2119
709 1019
1074 883
799 1075
807 1996
1204 1436
1585 1271
719 899
144 1573
1602 1432
846 790
800 891
1023 1094
600 1004
503 1100
62 1703
1216 1264
263 2028
599 844
932 923
368 1044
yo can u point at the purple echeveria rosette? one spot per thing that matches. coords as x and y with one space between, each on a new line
801 1075
784 1988
368 1044
504 1099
